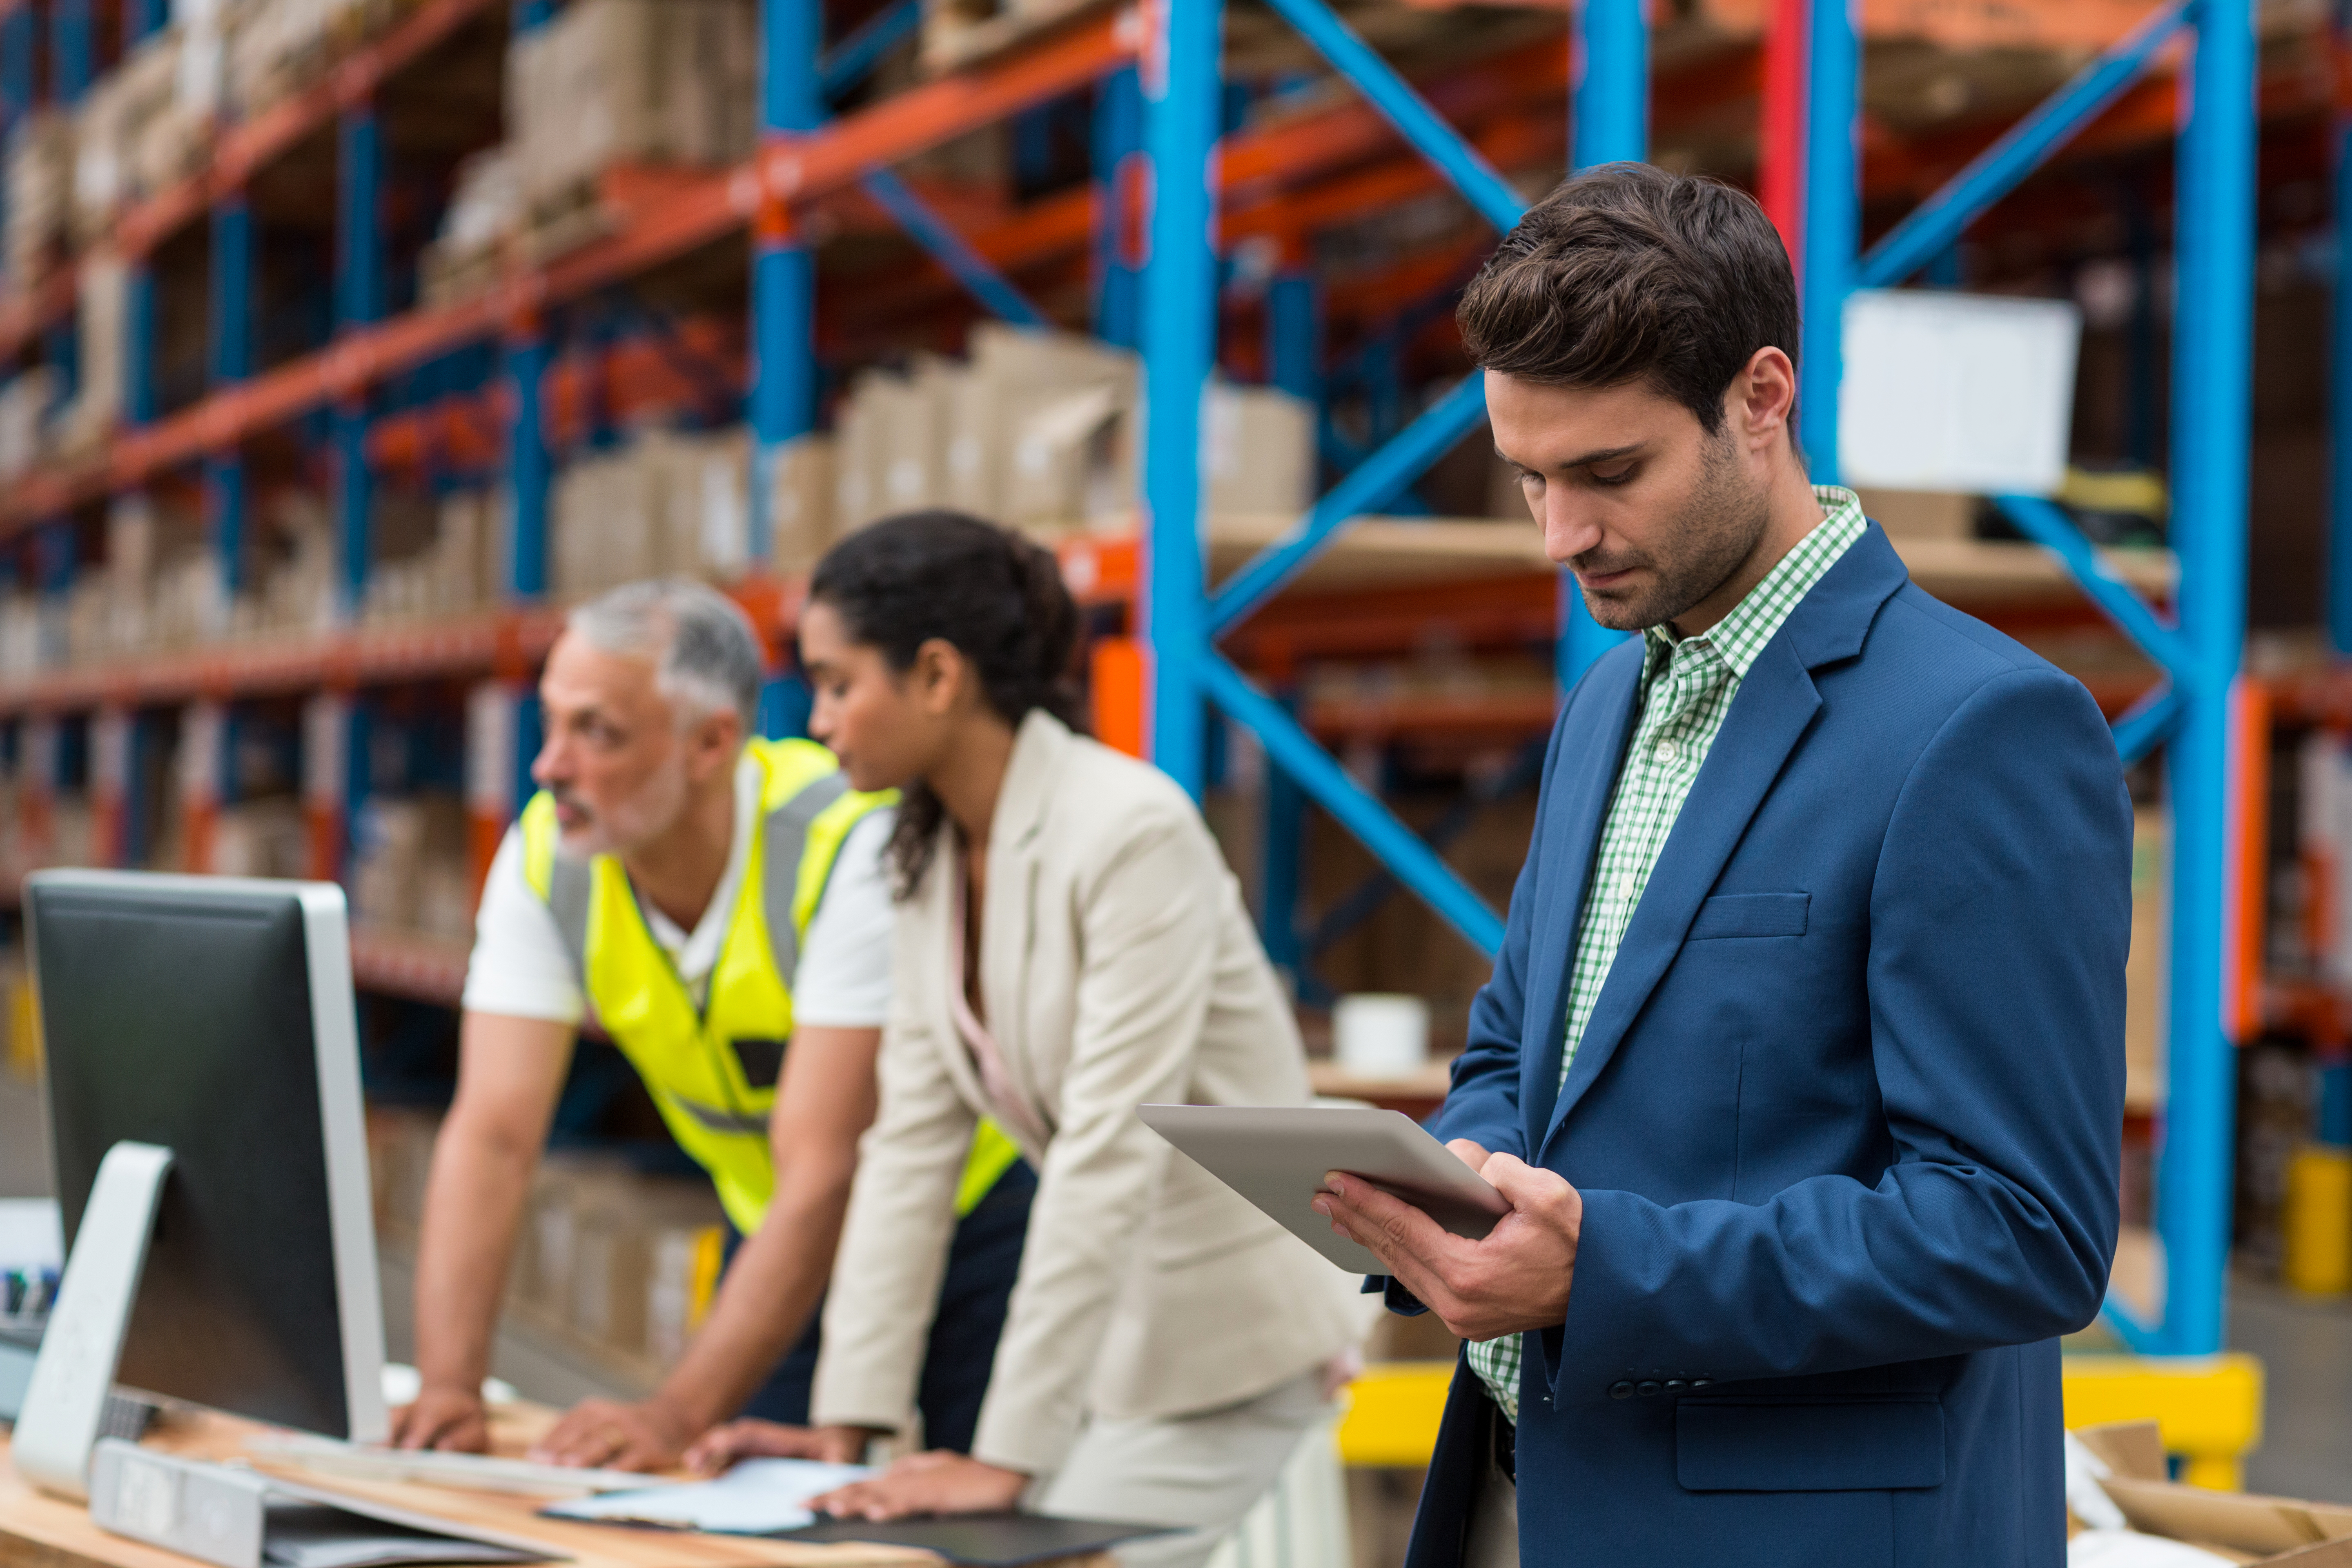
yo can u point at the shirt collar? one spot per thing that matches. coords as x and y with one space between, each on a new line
1741 635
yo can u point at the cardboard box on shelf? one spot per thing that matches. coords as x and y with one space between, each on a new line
400 1159
122 109
617 81
485 214
408 870
801 502
40 195
624 1261
1259 450
670 502
1921 514
261 838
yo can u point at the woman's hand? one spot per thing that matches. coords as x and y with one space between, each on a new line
936 1482
748 1439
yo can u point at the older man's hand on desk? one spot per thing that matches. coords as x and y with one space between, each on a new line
450 1418
606 1433
1517 1278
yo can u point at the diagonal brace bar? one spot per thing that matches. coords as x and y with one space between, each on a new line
2044 524
1936 223
1395 846
952 250
1366 486
852 60
1406 109
2146 724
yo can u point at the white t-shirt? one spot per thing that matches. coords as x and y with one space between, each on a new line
519 968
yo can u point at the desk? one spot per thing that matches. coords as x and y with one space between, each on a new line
38 1531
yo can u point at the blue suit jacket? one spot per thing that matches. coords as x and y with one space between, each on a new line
1846 1117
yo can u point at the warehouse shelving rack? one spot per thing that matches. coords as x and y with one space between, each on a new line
1163 110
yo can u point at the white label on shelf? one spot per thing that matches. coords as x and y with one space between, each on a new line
1961 392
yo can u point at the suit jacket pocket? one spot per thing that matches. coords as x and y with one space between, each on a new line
1808 1446
1750 914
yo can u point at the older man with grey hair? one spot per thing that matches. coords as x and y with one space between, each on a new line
719 900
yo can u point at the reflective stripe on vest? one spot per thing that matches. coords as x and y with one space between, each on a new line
712 1071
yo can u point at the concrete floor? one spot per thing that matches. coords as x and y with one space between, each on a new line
2306 1347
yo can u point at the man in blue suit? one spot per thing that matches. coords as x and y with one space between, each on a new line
1802 1066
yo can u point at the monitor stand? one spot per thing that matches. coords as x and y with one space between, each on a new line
59 1427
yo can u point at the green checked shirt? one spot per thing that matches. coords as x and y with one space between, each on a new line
1686 689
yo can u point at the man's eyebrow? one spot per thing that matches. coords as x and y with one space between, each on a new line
1603 455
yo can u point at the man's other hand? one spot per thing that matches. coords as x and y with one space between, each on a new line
1516 1279
928 1483
449 1418
647 1436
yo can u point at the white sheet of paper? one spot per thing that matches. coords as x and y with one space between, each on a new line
754 1498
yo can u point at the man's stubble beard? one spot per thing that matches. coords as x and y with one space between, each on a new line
642 818
1715 533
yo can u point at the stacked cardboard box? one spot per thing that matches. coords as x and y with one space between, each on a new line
290 570
39 190
1043 431
629 81
668 502
485 213
409 870
261 838
451 572
275 48
624 1262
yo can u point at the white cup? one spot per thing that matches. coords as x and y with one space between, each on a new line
1380 1034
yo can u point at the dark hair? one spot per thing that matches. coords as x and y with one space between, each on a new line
1629 272
996 597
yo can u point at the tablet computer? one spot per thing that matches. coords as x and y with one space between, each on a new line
1277 1157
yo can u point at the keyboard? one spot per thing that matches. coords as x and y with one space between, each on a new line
472 1472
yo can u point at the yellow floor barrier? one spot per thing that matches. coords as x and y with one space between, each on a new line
2209 1408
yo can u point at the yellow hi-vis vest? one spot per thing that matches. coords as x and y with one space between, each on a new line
712 1072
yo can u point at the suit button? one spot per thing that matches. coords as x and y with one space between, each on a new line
1648 1386
1675 1386
1702 1382
1621 1391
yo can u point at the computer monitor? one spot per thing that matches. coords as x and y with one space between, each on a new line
210 1019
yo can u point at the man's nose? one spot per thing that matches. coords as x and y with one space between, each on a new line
553 764
1570 530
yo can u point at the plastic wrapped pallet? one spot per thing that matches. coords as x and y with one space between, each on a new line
1258 451
101 320
24 420
40 191
485 211
894 431
118 113
616 81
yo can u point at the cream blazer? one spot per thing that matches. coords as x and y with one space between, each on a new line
1118 967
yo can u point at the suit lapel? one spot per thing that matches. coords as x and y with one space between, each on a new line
936 942
1586 778
1007 938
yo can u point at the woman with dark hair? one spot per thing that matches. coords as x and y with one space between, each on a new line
1069 944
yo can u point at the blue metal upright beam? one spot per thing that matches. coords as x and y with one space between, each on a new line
2212 418
139 342
783 270
73 55
1182 105
1118 141
359 300
231 333
527 462
142 19
1611 124
19 67
1293 333
1832 227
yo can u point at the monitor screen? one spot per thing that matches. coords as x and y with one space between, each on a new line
180 1013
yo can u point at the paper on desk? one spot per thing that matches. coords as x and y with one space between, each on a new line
754 1498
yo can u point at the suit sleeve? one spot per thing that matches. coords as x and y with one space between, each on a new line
2000 914
896 1236
1150 936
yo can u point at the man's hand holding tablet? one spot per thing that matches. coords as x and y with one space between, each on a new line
1486 1241
1513 1279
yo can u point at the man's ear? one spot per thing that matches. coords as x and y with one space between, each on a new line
1762 398
712 742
